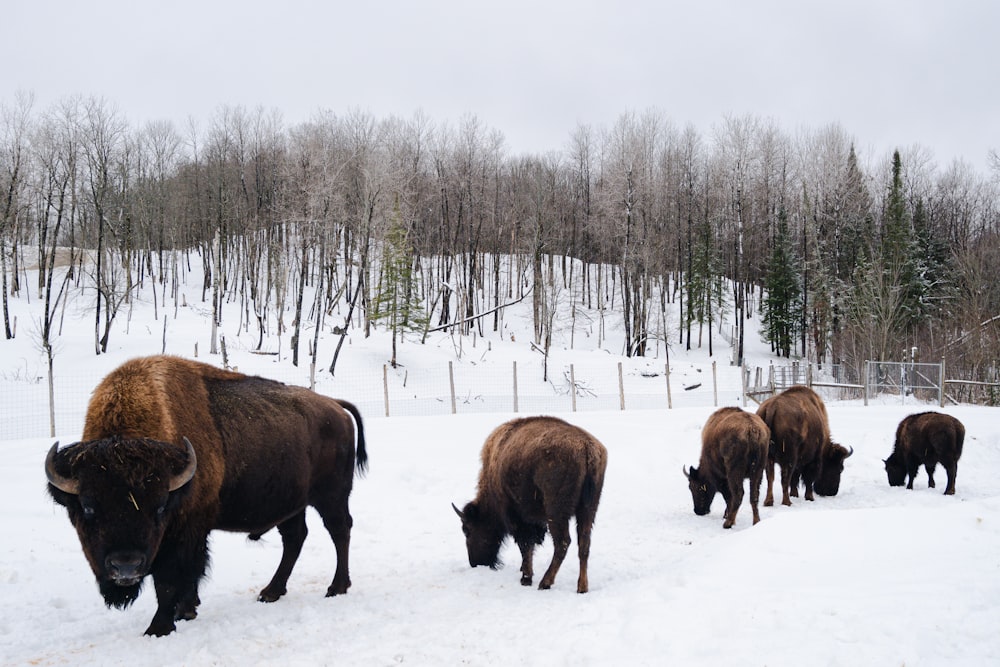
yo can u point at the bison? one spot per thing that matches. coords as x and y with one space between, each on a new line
926 438
801 445
173 449
734 447
536 473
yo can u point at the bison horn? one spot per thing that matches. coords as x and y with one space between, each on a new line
179 480
684 469
64 484
849 452
458 511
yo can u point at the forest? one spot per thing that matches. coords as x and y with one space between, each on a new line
349 222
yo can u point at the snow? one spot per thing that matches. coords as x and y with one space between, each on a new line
874 576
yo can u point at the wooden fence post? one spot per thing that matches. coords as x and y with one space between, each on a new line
670 400
385 387
715 386
572 385
621 388
451 383
515 386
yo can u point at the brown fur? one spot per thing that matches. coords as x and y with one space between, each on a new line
801 445
537 472
734 447
926 438
264 451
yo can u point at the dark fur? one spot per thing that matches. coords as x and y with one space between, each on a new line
926 438
537 472
734 447
265 451
801 445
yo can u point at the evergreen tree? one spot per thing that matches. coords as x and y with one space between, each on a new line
397 301
782 307
900 254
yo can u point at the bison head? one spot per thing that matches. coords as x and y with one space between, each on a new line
483 535
895 469
831 468
120 494
702 491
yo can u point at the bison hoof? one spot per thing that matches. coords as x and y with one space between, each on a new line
544 586
269 595
769 502
525 579
581 589
160 629
337 589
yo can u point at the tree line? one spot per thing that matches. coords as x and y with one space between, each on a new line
352 221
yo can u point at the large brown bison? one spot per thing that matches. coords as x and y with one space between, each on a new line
734 447
801 445
926 438
173 449
536 473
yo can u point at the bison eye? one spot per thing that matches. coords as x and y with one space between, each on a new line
88 511
160 510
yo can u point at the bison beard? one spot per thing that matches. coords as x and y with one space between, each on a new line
143 497
537 472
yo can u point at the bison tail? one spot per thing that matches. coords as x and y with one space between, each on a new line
361 454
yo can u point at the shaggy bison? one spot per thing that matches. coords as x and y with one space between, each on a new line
926 438
734 447
801 445
536 473
173 449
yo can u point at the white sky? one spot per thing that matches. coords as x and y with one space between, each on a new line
893 73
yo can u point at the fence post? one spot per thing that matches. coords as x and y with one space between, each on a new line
451 383
515 386
941 386
864 381
385 387
621 388
809 375
715 387
572 385
744 378
670 400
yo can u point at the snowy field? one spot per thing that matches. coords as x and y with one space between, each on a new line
873 576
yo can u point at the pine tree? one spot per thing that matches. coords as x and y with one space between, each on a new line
782 307
396 301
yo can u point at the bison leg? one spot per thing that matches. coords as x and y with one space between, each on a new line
583 529
769 498
952 470
786 475
175 580
527 560
734 498
293 535
755 475
793 486
559 529
527 536
338 522
930 465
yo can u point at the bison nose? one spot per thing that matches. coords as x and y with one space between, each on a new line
126 567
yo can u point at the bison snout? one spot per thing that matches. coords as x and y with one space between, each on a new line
126 568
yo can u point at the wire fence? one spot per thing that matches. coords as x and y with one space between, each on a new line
452 388
520 387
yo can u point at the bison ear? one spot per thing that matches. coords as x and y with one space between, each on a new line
185 476
64 484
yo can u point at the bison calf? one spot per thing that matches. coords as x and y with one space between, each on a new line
173 449
536 473
733 448
926 438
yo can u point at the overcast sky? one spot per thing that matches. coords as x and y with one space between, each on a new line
892 73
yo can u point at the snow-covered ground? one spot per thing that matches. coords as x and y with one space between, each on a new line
873 576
